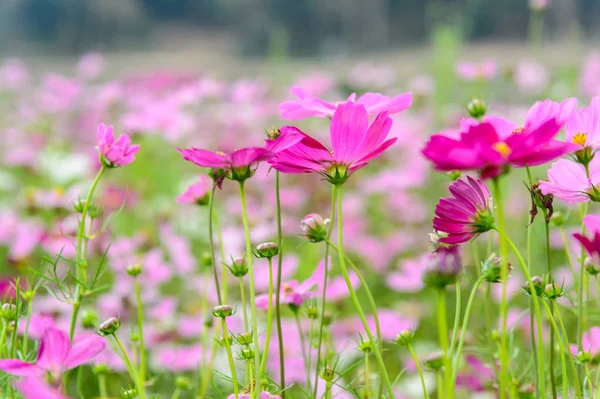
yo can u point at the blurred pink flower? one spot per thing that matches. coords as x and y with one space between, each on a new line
568 181
479 376
14 74
197 193
354 144
465 215
115 153
368 75
531 77
56 355
58 93
263 395
33 388
539 5
470 71
590 342
296 293
589 79
90 66
410 276
308 105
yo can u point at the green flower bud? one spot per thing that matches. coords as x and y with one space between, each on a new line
591 267
224 342
134 269
182 383
239 267
583 357
538 285
328 373
94 211
206 259
477 108
246 354
9 312
28 295
129 393
434 362
553 291
89 319
404 338
244 338
108 327
314 227
223 311
266 250
365 346
491 269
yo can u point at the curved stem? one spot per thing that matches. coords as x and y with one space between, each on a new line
140 316
464 326
324 293
278 288
263 363
211 204
538 316
342 262
560 343
419 369
230 358
132 373
250 262
80 262
504 361
176 394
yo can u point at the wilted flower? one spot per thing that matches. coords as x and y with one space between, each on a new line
115 153
466 214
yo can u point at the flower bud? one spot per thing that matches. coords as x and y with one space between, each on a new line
491 269
553 291
94 211
28 295
9 312
134 270
89 319
477 108
108 327
266 250
591 266
404 338
244 338
538 285
223 311
246 354
129 393
182 383
206 259
312 311
583 357
443 267
328 373
223 341
314 227
239 267
327 319
217 176
454 175
209 320
434 361
365 346
79 205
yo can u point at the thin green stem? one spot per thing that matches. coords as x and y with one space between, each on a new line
342 262
211 204
27 323
230 358
309 351
560 343
456 327
102 386
567 349
465 324
263 363
419 370
550 281
140 317
132 372
176 394
504 362
278 288
80 262
250 262
367 376
324 292
244 305
580 297
443 338
3 339
538 316
303 347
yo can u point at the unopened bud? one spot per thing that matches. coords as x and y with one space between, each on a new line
108 327
246 354
328 373
365 346
538 285
134 270
583 357
404 338
244 338
94 211
491 269
314 227
266 250
206 259
557 219
129 393
553 291
477 108
182 383
89 319
223 311
591 266
9 312
225 341
434 362
454 175
238 267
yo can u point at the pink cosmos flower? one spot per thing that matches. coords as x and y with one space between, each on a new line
56 355
495 144
478 378
568 181
115 153
471 71
296 293
591 245
354 143
589 79
531 77
590 342
240 164
308 106
34 388
197 193
466 214
90 66
263 395
409 277
583 127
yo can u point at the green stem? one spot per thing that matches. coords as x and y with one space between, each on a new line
328 385
567 349
244 307
80 262
211 204
263 363
309 351
176 394
504 361
3 338
132 372
419 369
342 262
456 326
538 316
580 298
140 317
550 281
367 376
102 386
303 347
324 292
230 358
464 326
27 323
250 262
443 337
278 288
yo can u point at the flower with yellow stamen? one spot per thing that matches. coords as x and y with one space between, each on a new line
502 148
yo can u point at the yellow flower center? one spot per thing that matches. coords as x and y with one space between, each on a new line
518 130
286 288
502 148
580 138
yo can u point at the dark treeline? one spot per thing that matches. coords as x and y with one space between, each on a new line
300 27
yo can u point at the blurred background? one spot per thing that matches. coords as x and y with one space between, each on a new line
211 32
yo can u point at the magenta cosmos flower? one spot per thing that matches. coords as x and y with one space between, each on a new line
239 164
374 103
115 153
354 143
591 245
465 215
197 193
569 182
56 355
495 144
